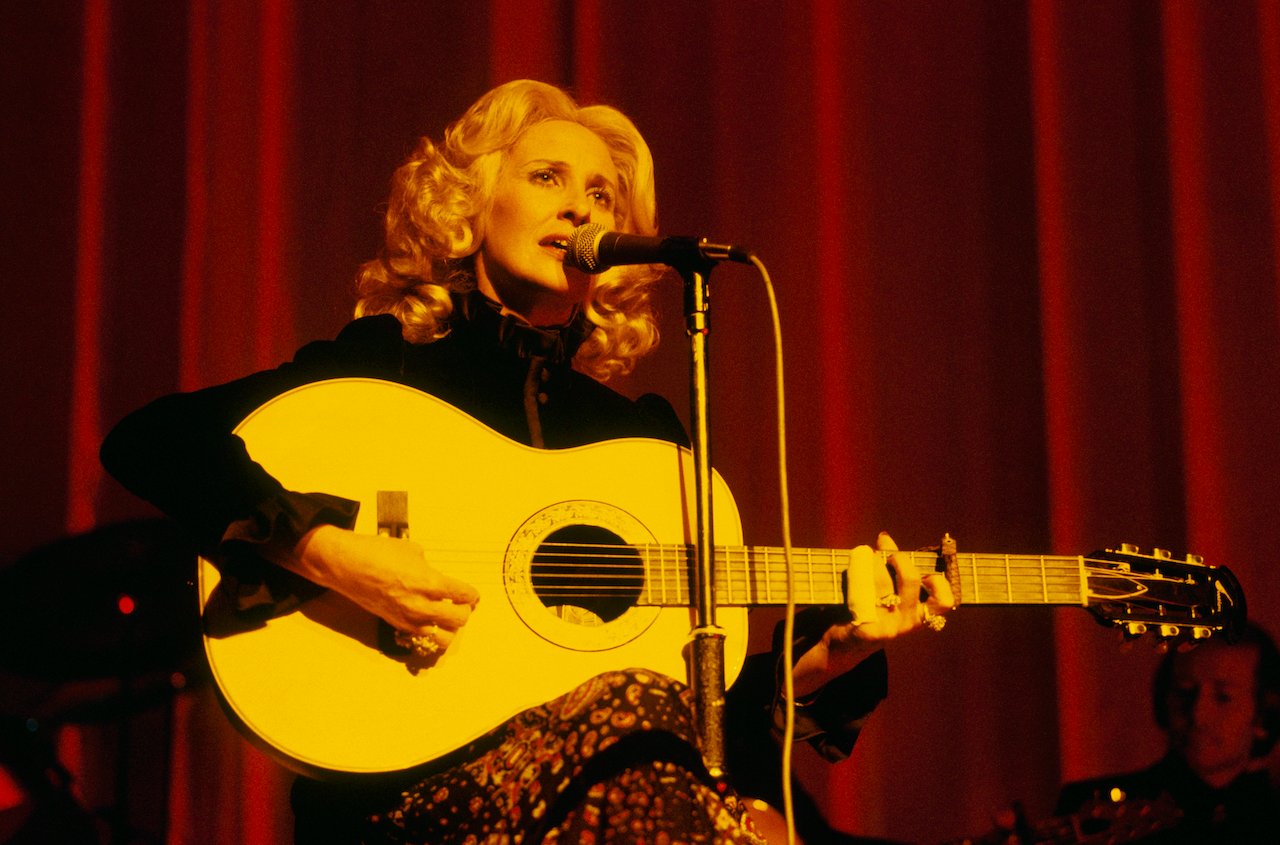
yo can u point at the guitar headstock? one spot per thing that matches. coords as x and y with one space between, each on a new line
1154 593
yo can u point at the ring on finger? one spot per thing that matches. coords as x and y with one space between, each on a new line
890 601
419 645
933 621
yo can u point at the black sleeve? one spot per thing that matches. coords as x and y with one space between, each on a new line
662 419
180 454
829 720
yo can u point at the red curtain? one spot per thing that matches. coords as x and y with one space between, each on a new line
1027 256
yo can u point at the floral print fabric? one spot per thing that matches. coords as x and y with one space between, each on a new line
612 761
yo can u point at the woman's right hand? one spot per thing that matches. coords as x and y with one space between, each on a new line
389 577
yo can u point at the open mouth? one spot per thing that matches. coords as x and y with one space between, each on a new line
557 243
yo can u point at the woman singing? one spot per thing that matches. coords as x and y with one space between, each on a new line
471 301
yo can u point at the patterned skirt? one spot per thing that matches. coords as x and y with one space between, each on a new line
614 760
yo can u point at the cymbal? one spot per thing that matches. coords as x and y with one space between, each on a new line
109 603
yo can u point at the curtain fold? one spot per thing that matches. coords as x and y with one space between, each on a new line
1027 255
86 421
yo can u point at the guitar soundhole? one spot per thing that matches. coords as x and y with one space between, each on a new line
587 574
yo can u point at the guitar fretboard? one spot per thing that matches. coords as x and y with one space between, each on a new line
757 575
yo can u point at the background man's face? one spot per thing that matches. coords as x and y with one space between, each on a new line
1213 710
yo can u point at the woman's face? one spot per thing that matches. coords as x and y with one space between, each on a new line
558 176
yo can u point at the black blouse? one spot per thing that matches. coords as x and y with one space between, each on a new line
179 453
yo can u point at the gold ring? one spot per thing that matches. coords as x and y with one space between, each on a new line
421 646
933 622
890 601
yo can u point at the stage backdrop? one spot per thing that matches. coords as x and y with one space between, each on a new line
1026 255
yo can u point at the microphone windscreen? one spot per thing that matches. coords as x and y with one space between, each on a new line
583 252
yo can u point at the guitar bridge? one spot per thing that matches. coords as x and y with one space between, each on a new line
393 513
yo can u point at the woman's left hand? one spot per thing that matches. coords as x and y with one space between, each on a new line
884 599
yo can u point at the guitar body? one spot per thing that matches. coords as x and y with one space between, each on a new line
319 690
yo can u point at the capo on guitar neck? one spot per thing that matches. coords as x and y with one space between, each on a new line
945 562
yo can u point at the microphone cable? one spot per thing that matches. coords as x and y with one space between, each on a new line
784 499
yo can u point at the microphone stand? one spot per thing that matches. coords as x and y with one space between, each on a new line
707 638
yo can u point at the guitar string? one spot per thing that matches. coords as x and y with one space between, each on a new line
753 558
763 577
764 574
752 554
987 574
992 560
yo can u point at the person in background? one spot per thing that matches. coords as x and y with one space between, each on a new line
1219 707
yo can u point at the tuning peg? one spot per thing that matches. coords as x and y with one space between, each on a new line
1169 631
1198 560
1133 630
1129 548
1199 632
1163 554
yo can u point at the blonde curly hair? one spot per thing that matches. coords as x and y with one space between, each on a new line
440 199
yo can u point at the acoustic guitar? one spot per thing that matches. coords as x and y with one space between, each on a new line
581 557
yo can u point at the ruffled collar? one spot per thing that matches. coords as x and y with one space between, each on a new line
514 334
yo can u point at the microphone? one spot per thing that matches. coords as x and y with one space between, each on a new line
594 249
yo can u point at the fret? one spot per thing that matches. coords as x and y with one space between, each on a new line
780 575
684 590
749 595
673 575
812 592
723 574
666 573
760 576
768 578
839 563
730 576
819 591
1044 581
749 562
684 583
726 579
797 580
659 588
835 573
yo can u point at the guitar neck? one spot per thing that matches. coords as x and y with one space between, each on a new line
757 575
